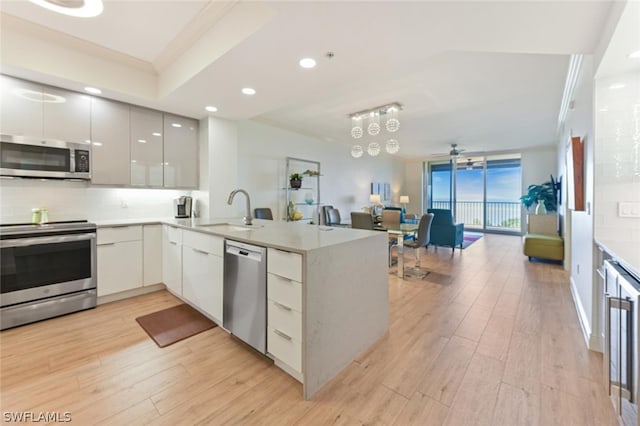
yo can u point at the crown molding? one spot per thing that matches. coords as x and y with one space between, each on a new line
14 24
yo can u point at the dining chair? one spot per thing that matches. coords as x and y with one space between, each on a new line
391 219
263 213
333 217
325 213
423 238
361 220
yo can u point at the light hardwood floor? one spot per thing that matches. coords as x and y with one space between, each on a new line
485 338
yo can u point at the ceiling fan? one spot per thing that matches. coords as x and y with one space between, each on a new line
453 153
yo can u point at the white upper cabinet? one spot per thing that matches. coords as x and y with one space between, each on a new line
146 147
110 131
67 116
21 107
180 152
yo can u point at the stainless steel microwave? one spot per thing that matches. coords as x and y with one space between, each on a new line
38 158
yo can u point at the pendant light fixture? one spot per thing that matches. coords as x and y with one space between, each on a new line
388 114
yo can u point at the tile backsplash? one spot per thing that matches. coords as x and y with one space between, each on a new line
617 156
77 200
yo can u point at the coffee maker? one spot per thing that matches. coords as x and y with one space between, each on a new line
182 206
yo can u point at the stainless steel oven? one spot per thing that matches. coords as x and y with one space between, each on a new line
28 157
46 270
622 294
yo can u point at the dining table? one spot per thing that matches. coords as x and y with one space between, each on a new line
400 232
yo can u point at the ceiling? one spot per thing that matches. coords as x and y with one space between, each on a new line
486 75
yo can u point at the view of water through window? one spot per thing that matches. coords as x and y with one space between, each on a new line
498 208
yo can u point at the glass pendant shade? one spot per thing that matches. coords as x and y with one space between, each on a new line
374 124
393 124
373 149
356 151
356 127
392 146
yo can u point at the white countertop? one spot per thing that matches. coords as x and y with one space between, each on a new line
293 236
626 253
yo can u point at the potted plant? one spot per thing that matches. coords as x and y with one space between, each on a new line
544 195
295 180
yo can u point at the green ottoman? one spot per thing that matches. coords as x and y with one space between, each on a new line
543 246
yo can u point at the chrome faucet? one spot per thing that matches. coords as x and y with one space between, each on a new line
247 219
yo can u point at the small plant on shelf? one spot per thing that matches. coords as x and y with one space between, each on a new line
295 180
311 172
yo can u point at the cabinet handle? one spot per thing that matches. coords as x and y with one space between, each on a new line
199 251
173 242
106 244
280 305
281 334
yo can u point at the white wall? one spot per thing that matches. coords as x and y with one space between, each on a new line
578 225
346 181
413 184
537 167
223 167
76 201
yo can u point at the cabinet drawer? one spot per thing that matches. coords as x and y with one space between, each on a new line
285 319
285 264
174 234
284 291
285 348
203 242
119 234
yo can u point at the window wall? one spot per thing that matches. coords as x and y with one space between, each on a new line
484 193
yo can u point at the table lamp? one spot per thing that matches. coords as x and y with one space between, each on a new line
404 200
375 200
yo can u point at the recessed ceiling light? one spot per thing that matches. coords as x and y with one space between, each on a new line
616 86
176 124
156 134
142 141
248 91
604 109
211 108
92 90
307 62
97 143
634 55
77 8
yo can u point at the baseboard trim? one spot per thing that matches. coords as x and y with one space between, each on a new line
130 293
590 340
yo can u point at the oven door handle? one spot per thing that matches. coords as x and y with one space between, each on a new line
23 242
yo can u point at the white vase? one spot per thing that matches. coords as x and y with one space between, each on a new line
540 208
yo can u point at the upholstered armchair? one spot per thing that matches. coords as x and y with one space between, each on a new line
443 231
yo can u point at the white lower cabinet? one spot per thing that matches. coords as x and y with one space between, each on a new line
202 272
172 259
119 259
284 309
152 254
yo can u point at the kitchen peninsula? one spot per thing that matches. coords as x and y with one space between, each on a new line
330 303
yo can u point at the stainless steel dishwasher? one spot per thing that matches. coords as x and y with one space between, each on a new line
245 293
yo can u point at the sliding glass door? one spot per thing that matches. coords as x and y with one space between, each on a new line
483 192
503 190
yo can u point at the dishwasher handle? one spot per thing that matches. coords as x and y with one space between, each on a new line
245 251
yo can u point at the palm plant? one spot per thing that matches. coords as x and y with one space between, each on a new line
545 193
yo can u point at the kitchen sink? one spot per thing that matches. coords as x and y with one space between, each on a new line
229 227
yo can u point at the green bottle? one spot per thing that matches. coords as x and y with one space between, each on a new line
291 210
